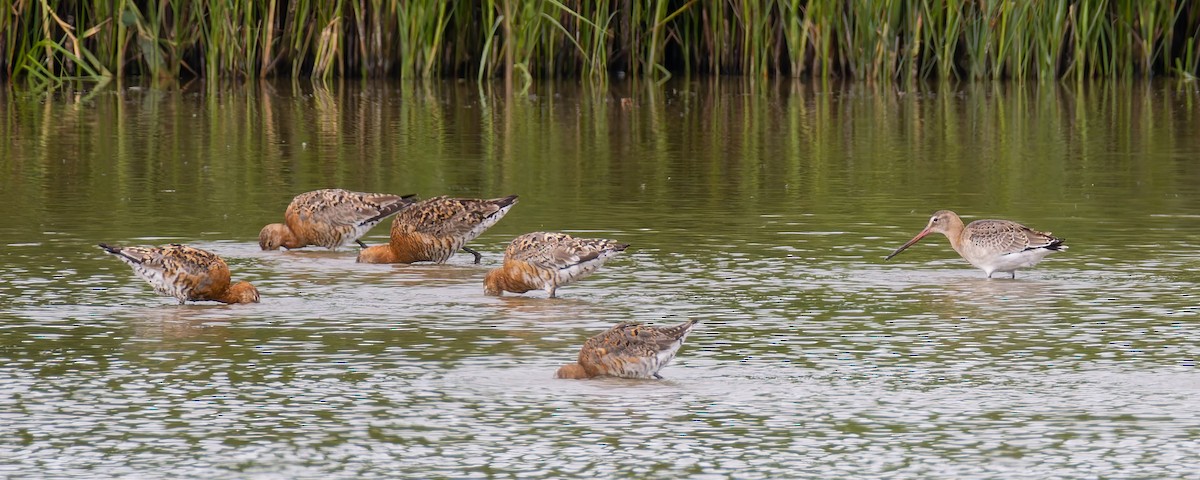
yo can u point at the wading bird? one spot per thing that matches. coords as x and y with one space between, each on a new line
330 218
185 273
991 245
432 230
546 261
628 350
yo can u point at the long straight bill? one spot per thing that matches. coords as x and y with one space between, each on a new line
909 244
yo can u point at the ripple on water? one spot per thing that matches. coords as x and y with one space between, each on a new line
844 367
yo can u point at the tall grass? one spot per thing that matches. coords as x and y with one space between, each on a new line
49 42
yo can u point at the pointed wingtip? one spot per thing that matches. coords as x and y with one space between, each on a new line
505 201
681 330
392 208
684 327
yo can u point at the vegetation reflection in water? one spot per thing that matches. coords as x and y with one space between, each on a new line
763 212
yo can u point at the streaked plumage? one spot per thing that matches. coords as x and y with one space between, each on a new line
432 230
628 350
185 273
991 245
546 261
330 218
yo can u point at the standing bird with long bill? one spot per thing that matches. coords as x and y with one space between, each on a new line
990 245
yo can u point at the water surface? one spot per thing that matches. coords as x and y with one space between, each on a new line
764 211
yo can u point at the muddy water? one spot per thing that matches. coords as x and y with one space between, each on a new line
764 211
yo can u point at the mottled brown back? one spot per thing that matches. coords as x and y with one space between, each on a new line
559 250
451 217
1003 236
184 272
633 350
336 217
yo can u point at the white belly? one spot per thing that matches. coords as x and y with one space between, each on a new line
1011 262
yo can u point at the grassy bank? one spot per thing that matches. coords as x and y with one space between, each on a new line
51 41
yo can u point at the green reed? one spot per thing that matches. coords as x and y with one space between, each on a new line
794 34
875 28
1186 63
1049 22
979 39
1088 25
821 25
943 31
1013 47
48 42
421 30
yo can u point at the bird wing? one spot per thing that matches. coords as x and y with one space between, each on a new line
177 270
633 349
1007 237
335 208
453 217
558 250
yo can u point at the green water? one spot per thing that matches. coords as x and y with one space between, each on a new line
764 211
